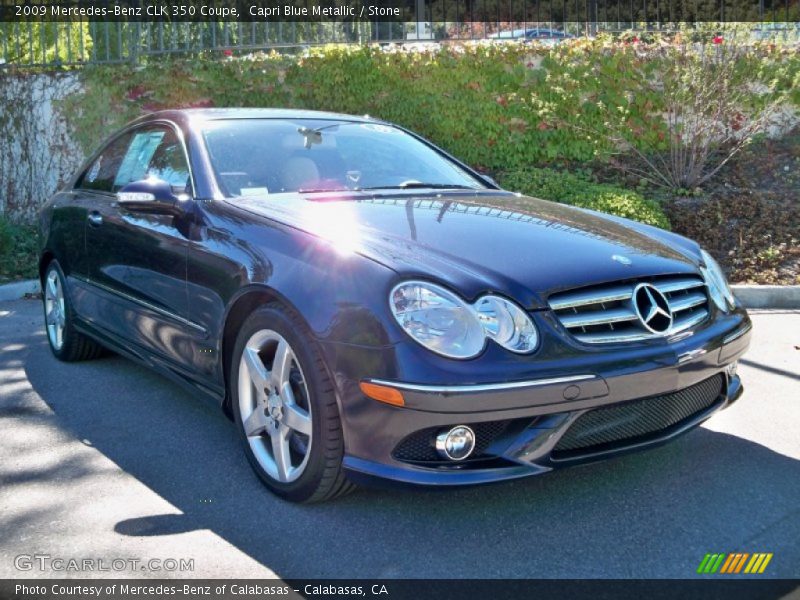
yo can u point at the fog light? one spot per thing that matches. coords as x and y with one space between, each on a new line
731 369
457 443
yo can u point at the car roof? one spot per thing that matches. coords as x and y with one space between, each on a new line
211 114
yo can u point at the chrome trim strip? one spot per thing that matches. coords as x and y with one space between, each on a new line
680 336
737 334
598 317
672 335
583 298
689 321
487 387
679 285
687 302
611 337
147 305
599 294
689 309
690 355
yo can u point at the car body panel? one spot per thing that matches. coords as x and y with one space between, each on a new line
270 257
472 241
63 223
139 261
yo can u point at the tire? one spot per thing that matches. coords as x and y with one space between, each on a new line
293 439
66 343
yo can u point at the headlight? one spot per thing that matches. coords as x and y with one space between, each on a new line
507 324
718 286
447 325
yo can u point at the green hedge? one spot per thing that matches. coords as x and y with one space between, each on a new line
18 251
501 108
577 190
496 107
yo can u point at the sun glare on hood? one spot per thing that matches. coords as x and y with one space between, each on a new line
336 223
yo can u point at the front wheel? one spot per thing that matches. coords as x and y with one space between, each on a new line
285 408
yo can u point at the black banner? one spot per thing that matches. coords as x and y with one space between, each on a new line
405 11
713 588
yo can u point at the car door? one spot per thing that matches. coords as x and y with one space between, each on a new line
137 260
92 190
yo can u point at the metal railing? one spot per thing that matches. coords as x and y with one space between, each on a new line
53 44
64 44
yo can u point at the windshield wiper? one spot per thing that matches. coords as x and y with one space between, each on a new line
403 186
418 185
322 190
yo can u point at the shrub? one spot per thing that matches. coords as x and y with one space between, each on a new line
494 106
578 190
5 236
18 251
684 105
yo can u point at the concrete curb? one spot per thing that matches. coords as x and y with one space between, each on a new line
17 290
768 296
752 296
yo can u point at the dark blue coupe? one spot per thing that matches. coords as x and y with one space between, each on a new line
364 305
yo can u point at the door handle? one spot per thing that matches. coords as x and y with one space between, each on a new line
95 218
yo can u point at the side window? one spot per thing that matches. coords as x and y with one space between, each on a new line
151 152
169 163
101 173
155 152
141 150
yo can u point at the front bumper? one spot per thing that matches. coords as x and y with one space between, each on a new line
537 412
529 450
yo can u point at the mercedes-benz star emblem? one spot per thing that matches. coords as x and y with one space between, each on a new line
652 308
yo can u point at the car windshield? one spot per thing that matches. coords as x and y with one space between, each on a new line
259 157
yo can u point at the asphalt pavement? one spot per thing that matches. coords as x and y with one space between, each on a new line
106 460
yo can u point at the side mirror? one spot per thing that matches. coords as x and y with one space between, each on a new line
151 195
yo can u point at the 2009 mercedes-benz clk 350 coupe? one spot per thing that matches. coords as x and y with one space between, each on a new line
366 306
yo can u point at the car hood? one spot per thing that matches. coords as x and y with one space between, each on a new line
523 247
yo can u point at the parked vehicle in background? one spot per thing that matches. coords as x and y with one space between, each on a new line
421 31
542 35
787 32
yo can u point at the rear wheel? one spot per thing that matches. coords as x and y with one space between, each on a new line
66 343
285 408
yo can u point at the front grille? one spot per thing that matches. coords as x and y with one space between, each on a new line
606 313
419 447
623 424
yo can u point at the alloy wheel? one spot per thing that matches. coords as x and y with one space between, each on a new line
55 311
274 406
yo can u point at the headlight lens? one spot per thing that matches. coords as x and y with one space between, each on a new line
447 325
718 286
507 324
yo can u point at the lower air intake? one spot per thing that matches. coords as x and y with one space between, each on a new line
623 424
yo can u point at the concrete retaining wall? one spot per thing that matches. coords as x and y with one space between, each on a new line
37 154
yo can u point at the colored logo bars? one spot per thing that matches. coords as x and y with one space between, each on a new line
734 563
